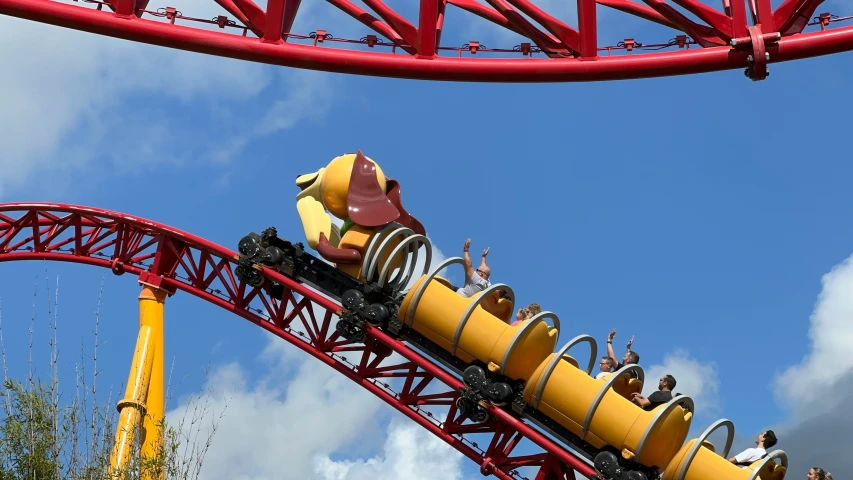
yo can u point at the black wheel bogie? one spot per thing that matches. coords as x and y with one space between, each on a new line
249 275
500 393
481 415
350 328
352 299
378 314
608 464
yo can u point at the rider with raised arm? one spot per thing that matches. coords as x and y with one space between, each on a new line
630 358
476 280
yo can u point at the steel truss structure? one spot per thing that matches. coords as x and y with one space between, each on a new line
746 34
172 260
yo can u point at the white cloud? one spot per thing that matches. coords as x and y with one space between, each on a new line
804 386
276 430
271 428
71 98
700 381
818 388
410 452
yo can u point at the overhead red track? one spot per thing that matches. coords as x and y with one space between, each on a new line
169 258
745 34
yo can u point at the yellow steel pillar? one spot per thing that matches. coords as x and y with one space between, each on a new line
132 406
151 303
145 397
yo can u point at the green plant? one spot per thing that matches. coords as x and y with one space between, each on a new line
43 437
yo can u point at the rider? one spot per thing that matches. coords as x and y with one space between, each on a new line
629 358
751 455
476 280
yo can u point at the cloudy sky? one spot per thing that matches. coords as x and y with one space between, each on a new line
699 214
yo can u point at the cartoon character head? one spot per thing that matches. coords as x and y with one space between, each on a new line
353 186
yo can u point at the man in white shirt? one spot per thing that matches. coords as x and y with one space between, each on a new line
751 455
607 365
476 280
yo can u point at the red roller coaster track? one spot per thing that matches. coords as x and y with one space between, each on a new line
746 34
164 256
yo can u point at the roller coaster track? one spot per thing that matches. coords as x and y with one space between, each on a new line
174 260
744 34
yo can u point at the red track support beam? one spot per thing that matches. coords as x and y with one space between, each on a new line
713 17
427 28
765 16
274 20
642 11
793 15
377 25
487 13
399 23
739 26
588 28
702 34
521 24
255 15
439 24
290 9
233 9
566 34
124 8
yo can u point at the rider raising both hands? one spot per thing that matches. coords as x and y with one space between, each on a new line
476 280
630 357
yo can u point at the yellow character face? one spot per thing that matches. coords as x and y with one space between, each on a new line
335 181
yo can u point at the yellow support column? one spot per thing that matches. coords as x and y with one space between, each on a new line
151 306
145 397
132 406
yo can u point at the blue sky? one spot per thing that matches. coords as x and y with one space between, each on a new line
698 213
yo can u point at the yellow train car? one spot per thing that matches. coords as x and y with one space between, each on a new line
697 460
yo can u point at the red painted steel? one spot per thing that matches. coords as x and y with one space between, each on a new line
169 258
570 54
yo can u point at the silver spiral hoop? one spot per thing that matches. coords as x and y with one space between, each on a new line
374 252
412 245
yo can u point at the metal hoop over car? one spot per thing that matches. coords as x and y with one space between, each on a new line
691 454
422 287
660 413
470 310
781 455
528 324
603 390
549 369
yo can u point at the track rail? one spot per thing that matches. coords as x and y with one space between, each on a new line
746 34
177 261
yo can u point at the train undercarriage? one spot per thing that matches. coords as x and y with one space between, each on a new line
368 304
